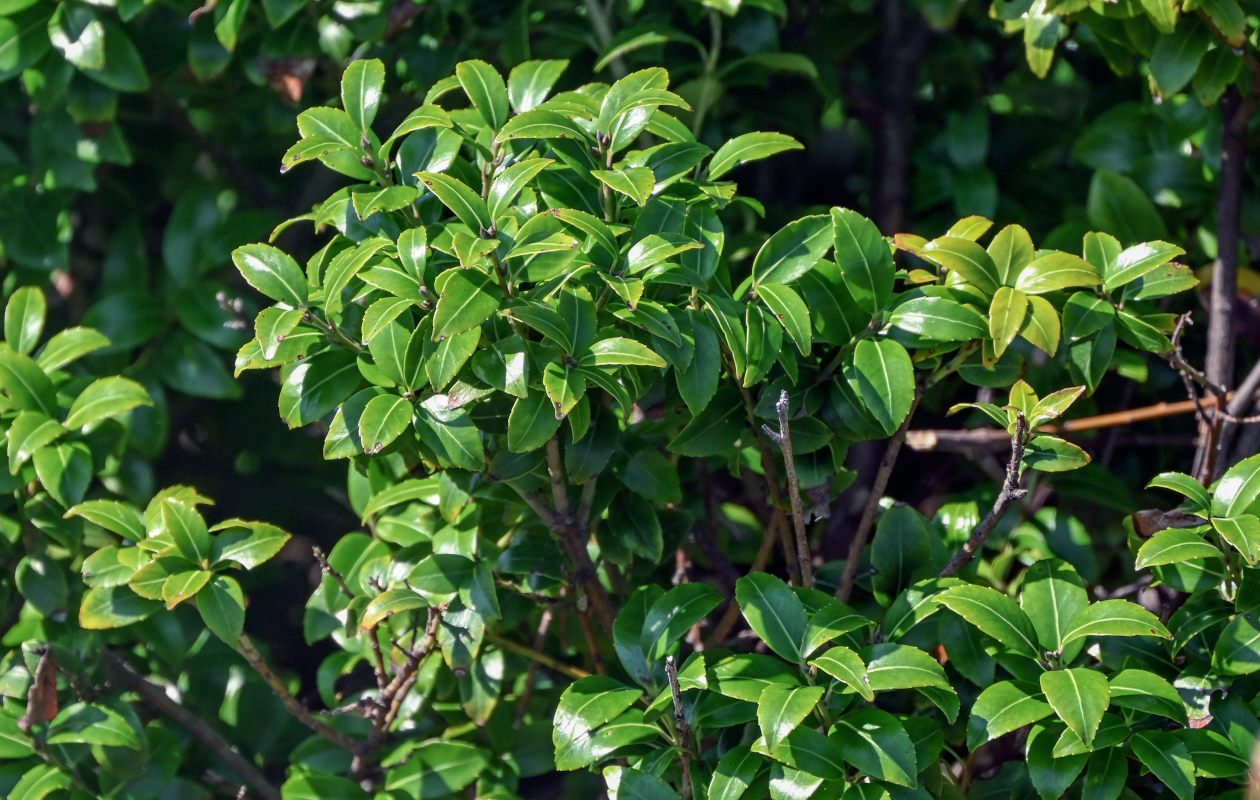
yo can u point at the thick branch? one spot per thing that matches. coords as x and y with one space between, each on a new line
154 696
1219 365
1009 494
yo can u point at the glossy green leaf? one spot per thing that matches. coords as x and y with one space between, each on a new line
30 431
899 666
1242 533
939 319
106 398
1052 454
1042 327
774 613
1137 261
1002 708
1176 58
68 345
780 709
734 774
1238 489
361 86
390 602
26 385
673 614
1041 34
847 667
108 607
93 723
1055 271
1168 759
529 82
437 768
1006 317
509 183
1050 776
383 420
1115 618
1117 204
792 250
24 317
540 123
486 89
272 272
636 183
65 470
469 297
587 704
462 201
749 147
40 781
112 515
966 258
531 423
993 613
1079 697
864 259
876 743
1147 692
247 543
187 529
620 350
1237 650
882 375
1173 546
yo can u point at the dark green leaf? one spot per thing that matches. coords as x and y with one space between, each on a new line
1167 758
876 743
774 613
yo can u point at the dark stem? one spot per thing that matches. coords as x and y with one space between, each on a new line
680 724
863 532
574 542
250 653
1219 364
1009 494
783 438
154 696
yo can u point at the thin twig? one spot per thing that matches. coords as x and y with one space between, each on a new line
1010 493
540 640
863 532
378 658
783 438
680 723
538 656
154 696
250 653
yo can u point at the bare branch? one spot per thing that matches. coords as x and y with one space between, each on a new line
863 532
1010 493
784 440
154 696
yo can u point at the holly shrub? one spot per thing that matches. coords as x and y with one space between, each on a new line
599 414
